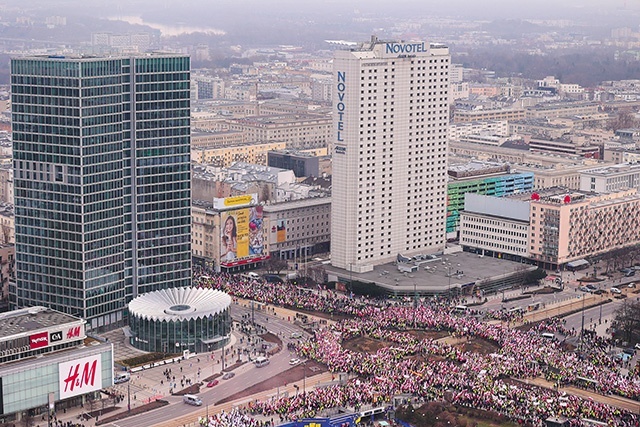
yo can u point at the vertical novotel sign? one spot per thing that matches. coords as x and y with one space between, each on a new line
340 106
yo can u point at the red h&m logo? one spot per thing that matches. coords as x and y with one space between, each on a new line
81 376
73 332
39 340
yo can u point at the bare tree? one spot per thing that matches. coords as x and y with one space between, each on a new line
627 322
276 265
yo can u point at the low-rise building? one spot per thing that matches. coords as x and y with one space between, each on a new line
562 109
7 269
495 229
563 225
462 116
297 131
302 164
299 228
611 178
475 177
227 155
44 360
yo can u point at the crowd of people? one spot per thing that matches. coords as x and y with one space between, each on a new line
433 370
233 418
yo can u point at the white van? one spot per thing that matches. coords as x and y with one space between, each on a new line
192 399
548 335
121 378
261 361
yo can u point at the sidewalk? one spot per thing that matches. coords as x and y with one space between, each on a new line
150 383
566 306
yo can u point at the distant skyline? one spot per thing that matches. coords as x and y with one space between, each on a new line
202 10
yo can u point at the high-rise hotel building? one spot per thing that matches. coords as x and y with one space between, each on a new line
102 181
390 152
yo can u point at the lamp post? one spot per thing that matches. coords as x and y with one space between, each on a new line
449 276
415 303
222 357
304 383
582 327
129 395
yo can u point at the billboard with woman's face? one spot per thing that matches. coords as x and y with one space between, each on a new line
241 238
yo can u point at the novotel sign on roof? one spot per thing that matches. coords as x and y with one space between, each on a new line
405 48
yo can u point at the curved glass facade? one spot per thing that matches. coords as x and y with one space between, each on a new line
198 334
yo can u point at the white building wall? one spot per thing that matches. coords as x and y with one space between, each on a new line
390 152
494 233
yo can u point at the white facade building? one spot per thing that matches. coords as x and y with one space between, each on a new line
610 179
492 225
390 152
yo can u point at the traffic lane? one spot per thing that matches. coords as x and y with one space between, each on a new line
547 299
274 324
176 408
593 314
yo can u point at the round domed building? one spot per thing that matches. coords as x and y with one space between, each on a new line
177 319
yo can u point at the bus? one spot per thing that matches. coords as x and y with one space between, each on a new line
260 361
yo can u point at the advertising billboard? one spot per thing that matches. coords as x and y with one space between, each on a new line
241 236
279 231
80 376
39 340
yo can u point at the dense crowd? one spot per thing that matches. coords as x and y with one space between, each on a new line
435 371
233 418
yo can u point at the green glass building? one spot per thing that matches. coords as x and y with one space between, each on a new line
102 181
499 186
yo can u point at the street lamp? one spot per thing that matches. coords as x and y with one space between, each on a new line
415 303
582 327
304 383
448 266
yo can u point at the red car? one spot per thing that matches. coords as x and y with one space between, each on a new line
212 383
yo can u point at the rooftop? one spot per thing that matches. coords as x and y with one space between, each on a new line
26 320
621 168
435 275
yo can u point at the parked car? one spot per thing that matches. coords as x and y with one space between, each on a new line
584 289
212 383
615 290
228 375
294 361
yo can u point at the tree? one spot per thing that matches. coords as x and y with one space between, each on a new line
623 120
276 265
627 322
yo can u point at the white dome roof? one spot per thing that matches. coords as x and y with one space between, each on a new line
178 304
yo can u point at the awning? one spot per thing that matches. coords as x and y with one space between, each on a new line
577 263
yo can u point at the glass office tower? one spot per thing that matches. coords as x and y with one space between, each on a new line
102 181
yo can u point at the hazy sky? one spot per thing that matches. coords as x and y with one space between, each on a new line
198 9
287 21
